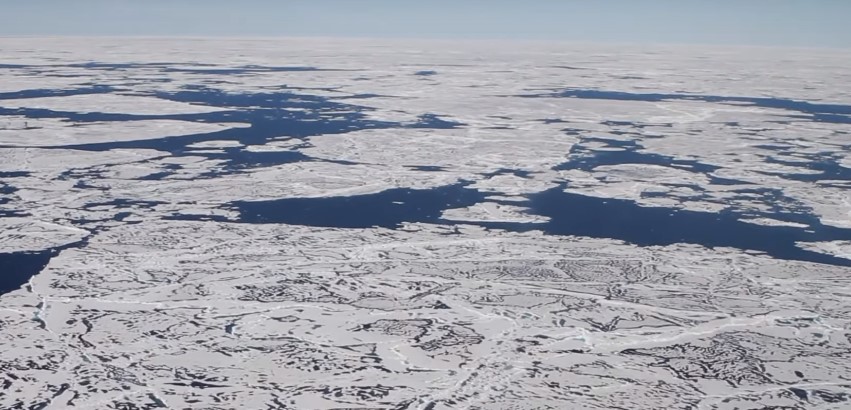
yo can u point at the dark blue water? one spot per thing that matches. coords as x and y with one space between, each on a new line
17 268
570 214
387 209
14 174
6 189
574 214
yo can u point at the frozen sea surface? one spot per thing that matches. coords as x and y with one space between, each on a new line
306 224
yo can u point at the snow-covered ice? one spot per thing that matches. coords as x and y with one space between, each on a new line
317 224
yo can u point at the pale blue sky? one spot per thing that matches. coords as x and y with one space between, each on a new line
817 23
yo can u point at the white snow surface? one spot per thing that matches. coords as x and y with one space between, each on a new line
162 297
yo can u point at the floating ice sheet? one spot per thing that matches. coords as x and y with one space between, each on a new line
316 223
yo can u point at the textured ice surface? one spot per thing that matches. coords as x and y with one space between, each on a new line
318 224
838 248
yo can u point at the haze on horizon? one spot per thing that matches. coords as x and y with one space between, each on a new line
795 23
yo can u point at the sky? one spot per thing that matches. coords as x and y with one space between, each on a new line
798 23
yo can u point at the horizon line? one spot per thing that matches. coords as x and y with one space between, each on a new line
469 40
